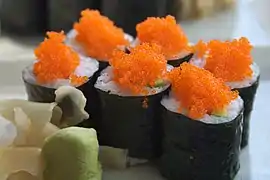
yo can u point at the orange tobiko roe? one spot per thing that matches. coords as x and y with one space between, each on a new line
200 49
77 80
164 32
142 67
230 60
98 35
199 91
55 60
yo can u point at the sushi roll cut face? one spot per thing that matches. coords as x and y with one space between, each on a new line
96 36
58 65
130 91
232 62
199 99
169 35
202 126
228 60
140 73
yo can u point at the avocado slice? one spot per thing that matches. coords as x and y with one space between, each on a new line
160 83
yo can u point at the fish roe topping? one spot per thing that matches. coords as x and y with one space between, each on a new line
98 35
77 80
200 49
55 60
164 32
230 60
199 91
141 68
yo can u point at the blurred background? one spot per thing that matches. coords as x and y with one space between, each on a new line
24 22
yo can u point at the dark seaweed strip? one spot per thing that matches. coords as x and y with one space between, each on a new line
102 65
126 124
127 51
193 150
178 62
248 95
38 93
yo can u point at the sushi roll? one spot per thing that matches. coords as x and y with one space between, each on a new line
232 62
58 65
96 36
169 35
130 91
202 126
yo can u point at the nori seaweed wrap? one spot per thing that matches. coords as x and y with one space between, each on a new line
130 91
58 65
248 95
178 61
232 62
96 36
169 35
202 127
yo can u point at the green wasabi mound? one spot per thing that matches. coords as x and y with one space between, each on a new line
72 154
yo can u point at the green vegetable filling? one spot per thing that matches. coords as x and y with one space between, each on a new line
220 112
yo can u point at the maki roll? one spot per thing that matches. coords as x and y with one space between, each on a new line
96 36
130 91
169 35
232 62
58 65
202 126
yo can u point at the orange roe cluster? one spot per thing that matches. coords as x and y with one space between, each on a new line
230 60
199 91
77 80
98 35
164 32
55 60
142 67
200 49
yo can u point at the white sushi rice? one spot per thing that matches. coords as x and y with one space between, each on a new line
71 41
198 62
169 67
248 81
237 84
105 83
87 67
233 110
